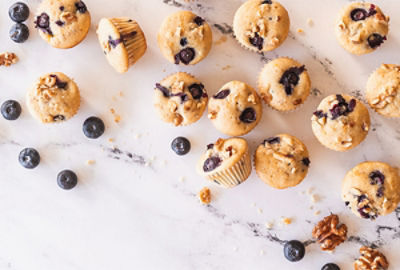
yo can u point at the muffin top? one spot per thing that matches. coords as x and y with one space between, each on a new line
371 189
184 38
53 98
282 161
236 109
383 90
261 25
361 28
180 99
341 122
222 155
284 84
63 23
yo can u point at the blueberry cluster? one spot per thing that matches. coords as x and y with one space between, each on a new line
19 12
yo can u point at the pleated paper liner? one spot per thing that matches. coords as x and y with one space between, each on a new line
132 37
234 175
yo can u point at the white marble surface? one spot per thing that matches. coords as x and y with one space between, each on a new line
126 215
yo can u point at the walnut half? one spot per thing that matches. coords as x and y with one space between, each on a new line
371 259
329 233
7 59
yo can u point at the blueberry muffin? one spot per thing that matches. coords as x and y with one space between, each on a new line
371 189
284 84
282 161
236 109
63 23
383 90
341 122
261 25
123 42
180 99
361 28
226 162
184 38
53 98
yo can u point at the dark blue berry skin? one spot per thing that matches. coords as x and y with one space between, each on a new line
67 179
180 145
11 110
93 127
19 12
294 250
19 33
330 266
29 158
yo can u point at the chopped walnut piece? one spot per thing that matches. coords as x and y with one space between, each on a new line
7 59
371 259
205 195
329 233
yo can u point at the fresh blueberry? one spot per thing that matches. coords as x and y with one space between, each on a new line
248 115
222 94
19 33
180 145
93 127
211 163
257 41
29 158
294 250
330 266
320 114
185 56
67 179
269 2
11 110
376 177
19 12
306 161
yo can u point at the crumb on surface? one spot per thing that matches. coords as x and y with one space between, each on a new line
221 40
269 225
262 252
300 30
310 22
286 221
181 179
205 195
90 162
111 140
314 198
259 210
226 67
117 117
317 213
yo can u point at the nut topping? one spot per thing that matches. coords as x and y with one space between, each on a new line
329 233
371 259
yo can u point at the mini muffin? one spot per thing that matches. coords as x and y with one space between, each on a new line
341 122
122 41
226 162
282 161
261 25
184 38
383 90
63 23
53 98
236 109
371 189
361 28
180 99
284 84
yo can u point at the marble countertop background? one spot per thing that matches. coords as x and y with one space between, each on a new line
137 206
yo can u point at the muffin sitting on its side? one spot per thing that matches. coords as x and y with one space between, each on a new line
122 41
226 162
